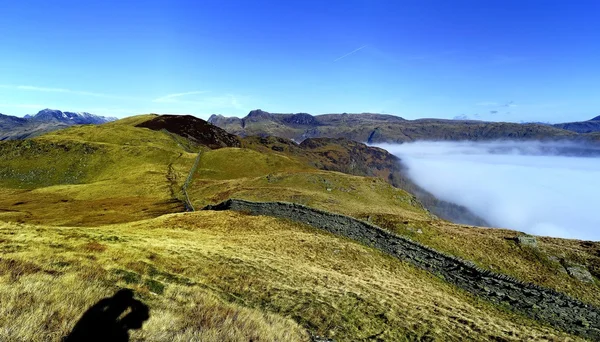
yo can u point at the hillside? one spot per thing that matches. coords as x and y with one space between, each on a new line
355 158
91 175
47 120
90 209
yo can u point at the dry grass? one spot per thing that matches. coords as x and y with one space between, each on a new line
497 250
223 276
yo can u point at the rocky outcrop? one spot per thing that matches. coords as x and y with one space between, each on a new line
546 305
301 119
526 240
194 129
580 273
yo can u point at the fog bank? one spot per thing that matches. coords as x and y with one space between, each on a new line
548 189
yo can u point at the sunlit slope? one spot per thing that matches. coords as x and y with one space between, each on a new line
223 174
92 175
227 276
248 174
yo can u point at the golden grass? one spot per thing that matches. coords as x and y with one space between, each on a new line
496 250
233 163
223 276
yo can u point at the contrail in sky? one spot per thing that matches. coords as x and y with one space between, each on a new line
349 53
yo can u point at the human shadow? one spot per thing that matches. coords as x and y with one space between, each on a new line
102 321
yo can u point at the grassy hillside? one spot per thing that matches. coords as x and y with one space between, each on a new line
358 159
91 175
247 174
223 276
82 213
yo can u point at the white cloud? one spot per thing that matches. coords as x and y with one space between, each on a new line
173 97
507 60
487 104
350 53
524 186
24 106
227 101
183 102
44 89
67 91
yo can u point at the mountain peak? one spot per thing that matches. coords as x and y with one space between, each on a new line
79 118
48 114
258 113
596 118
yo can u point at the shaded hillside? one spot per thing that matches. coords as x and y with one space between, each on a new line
588 126
380 128
190 127
356 158
47 120
8 122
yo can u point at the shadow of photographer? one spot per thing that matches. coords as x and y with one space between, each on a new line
103 322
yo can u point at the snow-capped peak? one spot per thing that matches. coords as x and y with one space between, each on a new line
70 118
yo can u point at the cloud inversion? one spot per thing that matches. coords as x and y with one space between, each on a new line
539 188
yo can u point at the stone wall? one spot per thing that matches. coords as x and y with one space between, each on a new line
546 305
186 199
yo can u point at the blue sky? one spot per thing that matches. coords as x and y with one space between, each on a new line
495 60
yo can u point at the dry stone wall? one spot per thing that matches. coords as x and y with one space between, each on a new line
546 305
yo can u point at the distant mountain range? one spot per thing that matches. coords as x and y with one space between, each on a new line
382 128
47 120
363 127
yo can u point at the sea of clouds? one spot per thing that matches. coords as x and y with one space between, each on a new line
549 189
